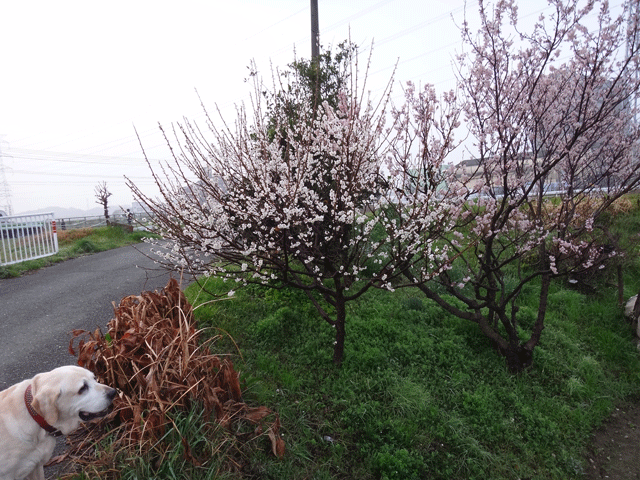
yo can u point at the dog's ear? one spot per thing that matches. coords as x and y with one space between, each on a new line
45 398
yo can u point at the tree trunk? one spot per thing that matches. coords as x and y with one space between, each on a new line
341 315
518 357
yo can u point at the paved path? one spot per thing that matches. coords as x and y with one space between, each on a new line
38 311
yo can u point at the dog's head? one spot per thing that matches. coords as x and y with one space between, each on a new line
69 395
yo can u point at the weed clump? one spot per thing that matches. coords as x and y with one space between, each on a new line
153 353
85 246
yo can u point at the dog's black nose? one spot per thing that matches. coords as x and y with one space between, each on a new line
111 394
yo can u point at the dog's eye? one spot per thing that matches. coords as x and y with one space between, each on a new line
83 389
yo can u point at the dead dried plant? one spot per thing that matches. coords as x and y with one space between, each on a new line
161 364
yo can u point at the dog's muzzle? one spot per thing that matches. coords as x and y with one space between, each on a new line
86 416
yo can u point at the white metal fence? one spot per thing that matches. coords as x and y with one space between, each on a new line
27 237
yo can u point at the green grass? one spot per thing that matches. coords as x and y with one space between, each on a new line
422 395
205 440
74 243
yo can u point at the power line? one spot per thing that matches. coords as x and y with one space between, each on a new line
75 157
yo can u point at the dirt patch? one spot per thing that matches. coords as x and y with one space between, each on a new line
615 448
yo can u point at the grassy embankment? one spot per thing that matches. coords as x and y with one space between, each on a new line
421 395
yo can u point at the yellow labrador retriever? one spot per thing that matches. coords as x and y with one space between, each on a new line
34 411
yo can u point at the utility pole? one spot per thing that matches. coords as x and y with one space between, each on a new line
315 31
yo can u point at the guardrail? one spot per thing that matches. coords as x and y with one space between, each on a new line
72 223
27 237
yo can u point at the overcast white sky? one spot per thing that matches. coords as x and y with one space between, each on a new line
77 76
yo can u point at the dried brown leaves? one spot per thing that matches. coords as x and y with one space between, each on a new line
156 357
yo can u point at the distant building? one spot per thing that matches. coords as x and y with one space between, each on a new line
472 173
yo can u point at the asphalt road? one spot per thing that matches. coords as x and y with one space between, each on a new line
38 311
